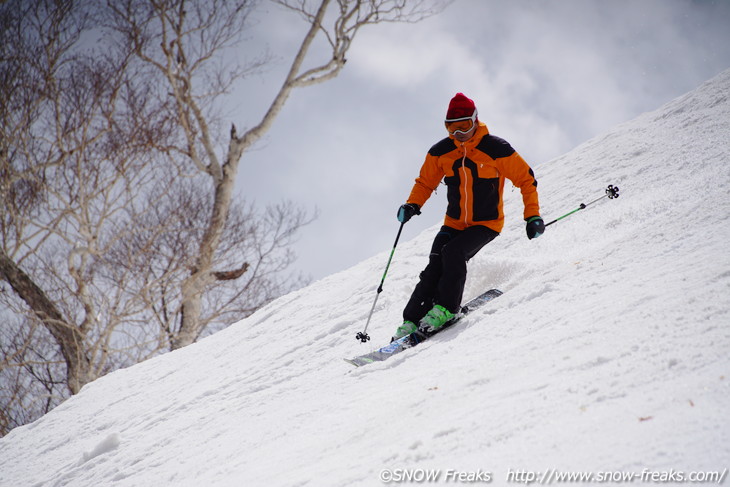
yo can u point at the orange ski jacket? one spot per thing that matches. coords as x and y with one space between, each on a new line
474 172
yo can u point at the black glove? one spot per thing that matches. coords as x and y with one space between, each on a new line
535 227
405 212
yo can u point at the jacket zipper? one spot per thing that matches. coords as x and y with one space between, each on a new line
466 189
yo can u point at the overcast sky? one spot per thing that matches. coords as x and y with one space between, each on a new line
545 75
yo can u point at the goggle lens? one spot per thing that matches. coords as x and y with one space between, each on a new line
460 127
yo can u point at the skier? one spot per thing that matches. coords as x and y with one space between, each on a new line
473 164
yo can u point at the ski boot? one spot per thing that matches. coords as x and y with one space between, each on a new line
406 328
435 320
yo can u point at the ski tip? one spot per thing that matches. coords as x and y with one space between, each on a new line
351 362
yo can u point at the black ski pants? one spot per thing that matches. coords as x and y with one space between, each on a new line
442 281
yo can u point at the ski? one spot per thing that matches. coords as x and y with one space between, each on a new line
417 337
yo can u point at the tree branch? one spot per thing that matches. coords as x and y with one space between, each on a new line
67 336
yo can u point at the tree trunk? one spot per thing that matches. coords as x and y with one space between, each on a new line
193 288
68 337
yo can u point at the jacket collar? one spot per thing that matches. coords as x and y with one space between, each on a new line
481 131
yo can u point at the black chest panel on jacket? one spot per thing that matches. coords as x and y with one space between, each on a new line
484 194
442 147
495 147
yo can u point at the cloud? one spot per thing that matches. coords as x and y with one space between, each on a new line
545 75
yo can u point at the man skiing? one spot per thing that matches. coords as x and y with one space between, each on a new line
473 164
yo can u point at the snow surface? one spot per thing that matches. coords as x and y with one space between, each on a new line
609 350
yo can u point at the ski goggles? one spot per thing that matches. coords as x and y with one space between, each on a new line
461 126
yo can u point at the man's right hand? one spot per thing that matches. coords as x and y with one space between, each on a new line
405 212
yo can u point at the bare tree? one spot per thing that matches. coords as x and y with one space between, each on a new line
94 249
121 237
34 40
179 39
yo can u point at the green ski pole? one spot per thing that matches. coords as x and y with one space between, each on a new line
363 335
611 193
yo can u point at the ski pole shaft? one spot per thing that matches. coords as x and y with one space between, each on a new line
611 193
363 336
387 266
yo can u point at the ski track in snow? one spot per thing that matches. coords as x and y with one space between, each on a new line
608 350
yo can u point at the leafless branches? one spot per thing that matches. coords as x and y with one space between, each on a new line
120 237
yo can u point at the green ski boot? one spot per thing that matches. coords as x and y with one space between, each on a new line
406 328
435 319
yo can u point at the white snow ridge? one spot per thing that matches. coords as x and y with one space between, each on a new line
609 353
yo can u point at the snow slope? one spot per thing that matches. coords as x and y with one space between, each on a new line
609 351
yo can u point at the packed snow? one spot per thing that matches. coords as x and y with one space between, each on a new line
609 352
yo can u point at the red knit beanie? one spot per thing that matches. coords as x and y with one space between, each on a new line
460 107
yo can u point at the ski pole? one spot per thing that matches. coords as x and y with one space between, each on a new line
611 193
362 335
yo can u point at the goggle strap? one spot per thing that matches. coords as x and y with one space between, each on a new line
471 117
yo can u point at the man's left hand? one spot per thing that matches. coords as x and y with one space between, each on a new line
535 227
